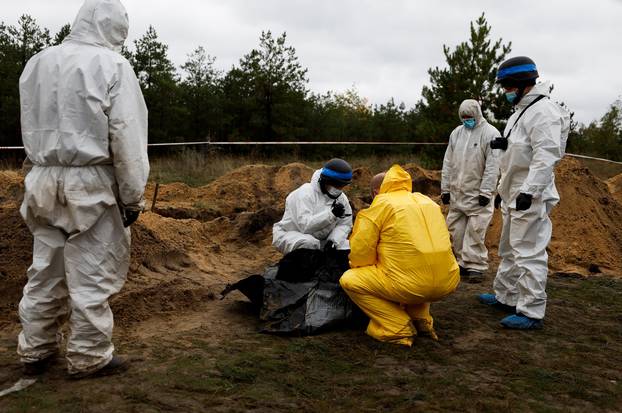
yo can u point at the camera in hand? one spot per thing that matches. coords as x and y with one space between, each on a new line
499 143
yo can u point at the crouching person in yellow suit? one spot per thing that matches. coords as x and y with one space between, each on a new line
401 260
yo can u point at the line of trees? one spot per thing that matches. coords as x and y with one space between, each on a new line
266 95
601 138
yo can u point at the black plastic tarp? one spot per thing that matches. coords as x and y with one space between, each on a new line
301 294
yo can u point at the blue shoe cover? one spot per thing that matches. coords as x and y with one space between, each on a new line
521 322
488 299
491 300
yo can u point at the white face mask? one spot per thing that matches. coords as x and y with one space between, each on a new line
334 192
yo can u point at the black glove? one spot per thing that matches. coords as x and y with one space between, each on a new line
445 198
498 201
483 201
338 210
523 202
499 143
129 216
329 246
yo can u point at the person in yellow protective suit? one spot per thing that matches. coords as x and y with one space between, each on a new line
401 260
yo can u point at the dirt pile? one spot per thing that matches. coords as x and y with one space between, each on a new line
175 263
615 187
15 244
361 177
179 265
424 181
15 258
11 187
250 188
587 224
200 238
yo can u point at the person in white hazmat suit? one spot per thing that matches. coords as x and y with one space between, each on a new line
468 184
534 142
84 127
318 214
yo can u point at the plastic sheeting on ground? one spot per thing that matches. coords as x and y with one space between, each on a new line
301 295
19 386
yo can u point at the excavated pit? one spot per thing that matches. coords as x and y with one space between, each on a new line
198 239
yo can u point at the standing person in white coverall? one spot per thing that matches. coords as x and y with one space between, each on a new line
84 127
468 184
533 143
318 214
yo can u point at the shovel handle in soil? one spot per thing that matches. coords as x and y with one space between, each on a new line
155 196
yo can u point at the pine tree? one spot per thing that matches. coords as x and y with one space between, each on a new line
267 92
602 138
470 74
202 96
17 45
159 81
29 38
150 60
62 33
341 116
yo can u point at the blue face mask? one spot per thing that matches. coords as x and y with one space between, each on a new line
511 96
469 123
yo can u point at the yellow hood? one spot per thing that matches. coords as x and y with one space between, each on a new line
397 179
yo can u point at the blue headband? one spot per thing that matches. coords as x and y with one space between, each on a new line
344 176
516 69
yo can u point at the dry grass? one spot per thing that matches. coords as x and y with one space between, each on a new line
200 167
197 168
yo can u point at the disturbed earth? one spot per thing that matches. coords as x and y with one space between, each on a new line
193 241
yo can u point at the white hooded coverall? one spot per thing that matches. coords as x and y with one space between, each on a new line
470 169
84 127
537 143
308 221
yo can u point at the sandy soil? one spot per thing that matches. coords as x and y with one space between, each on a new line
198 239
615 187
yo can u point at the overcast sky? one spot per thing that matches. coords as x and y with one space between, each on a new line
385 47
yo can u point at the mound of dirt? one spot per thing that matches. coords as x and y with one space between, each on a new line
200 238
180 264
15 245
175 264
361 178
424 181
15 257
11 186
587 224
247 189
615 187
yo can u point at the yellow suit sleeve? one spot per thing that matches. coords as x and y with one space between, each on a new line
363 242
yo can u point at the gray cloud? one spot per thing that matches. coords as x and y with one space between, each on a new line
386 47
